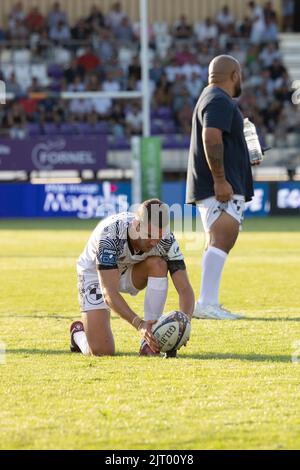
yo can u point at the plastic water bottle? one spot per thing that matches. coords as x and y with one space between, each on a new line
253 144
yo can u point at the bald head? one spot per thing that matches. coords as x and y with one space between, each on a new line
225 70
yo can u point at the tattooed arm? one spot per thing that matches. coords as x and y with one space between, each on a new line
214 152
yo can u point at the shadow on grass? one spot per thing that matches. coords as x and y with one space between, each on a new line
48 352
239 357
252 357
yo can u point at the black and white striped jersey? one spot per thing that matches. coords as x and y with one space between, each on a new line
108 248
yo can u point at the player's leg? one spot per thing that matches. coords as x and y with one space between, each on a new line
222 229
152 274
98 332
93 335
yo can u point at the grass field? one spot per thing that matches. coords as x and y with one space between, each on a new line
234 387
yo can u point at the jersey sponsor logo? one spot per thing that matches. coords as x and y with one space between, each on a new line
108 257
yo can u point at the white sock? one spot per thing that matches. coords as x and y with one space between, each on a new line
212 266
82 342
155 297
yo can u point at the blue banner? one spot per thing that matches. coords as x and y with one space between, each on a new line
87 201
84 201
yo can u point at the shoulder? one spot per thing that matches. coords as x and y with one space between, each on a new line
113 230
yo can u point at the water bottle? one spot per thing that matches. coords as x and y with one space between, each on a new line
253 144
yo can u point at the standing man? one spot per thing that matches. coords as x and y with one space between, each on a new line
128 253
219 179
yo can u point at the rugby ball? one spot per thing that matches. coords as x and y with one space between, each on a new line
172 331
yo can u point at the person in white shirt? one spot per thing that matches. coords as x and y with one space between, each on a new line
224 19
207 31
134 120
115 16
127 253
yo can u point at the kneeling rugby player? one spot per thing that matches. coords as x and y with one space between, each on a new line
127 253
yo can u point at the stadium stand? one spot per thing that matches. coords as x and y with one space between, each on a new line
42 56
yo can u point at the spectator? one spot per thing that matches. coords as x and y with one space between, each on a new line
269 12
73 71
56 16
16 120
123 31
80 108
277 69
117 120
12 85
77 84
207 31
224 20
184 117
162 95
269 54
81 31
258 29
104 45
256 11
270 33
245 28
35 86
60 32
102 106
194 86
19 31
110 84
115 16
182 29
95 18
156 71
88 60
288 10
184 55
239 54
134 70
134 120
17 14
35 21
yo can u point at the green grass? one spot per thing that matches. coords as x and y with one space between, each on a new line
233 387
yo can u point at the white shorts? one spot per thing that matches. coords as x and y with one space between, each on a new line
90 295
210 210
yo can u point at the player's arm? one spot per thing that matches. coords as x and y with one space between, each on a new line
217 118
109 280
182 285
214 151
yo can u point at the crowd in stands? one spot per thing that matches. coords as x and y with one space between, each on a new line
43 56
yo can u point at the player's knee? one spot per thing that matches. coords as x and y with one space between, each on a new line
102 351
222 243
157 266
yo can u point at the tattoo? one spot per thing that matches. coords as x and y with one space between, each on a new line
215 159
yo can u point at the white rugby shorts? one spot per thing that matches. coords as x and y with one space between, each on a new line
90 295
210 210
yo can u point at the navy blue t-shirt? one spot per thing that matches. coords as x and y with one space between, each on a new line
215 108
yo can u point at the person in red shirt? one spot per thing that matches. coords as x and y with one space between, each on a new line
89 60
35 20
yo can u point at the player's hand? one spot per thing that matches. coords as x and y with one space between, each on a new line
146 332
256 163
223 191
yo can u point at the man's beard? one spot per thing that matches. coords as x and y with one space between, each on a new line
237 91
